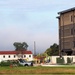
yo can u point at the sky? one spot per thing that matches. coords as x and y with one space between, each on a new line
29 21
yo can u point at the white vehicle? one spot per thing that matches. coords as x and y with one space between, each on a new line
25 63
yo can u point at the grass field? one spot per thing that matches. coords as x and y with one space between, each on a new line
64 70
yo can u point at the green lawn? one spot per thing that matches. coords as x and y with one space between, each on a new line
64 70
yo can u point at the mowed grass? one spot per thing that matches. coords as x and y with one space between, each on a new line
64 70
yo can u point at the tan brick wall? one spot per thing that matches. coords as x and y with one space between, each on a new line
66 18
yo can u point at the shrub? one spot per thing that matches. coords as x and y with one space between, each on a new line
9 63
5 63
60 60
69 60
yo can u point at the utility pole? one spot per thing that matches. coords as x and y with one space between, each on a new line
34 48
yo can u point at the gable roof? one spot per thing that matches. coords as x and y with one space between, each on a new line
15 52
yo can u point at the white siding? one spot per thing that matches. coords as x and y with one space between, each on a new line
2 58
53 58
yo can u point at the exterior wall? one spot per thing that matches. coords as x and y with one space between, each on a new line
67 39
6 57
67 18
53 59
28 57
67 31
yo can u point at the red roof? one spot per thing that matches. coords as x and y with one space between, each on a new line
41 57
15 52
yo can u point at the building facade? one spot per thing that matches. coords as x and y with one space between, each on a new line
67 31
15 55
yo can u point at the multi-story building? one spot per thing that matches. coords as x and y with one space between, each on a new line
67 32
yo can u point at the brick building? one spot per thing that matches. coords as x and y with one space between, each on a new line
66 20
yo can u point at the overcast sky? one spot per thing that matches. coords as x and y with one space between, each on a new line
29 21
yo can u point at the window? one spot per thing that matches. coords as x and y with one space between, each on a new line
9 56
24 56
14 56
4 56
72 31
71 18
29 55
74 43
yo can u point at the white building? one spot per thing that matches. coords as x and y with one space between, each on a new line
54 59
14 55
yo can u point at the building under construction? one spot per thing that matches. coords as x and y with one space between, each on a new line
67 32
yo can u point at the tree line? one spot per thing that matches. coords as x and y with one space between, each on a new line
51 51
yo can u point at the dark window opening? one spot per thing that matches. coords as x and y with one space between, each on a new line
14 56
24 56
72 31
29 55
4 56
74 43
67 51
9 56
71 18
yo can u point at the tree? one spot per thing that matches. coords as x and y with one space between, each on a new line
53 50
20 46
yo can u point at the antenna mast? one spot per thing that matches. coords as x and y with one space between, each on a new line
34 48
